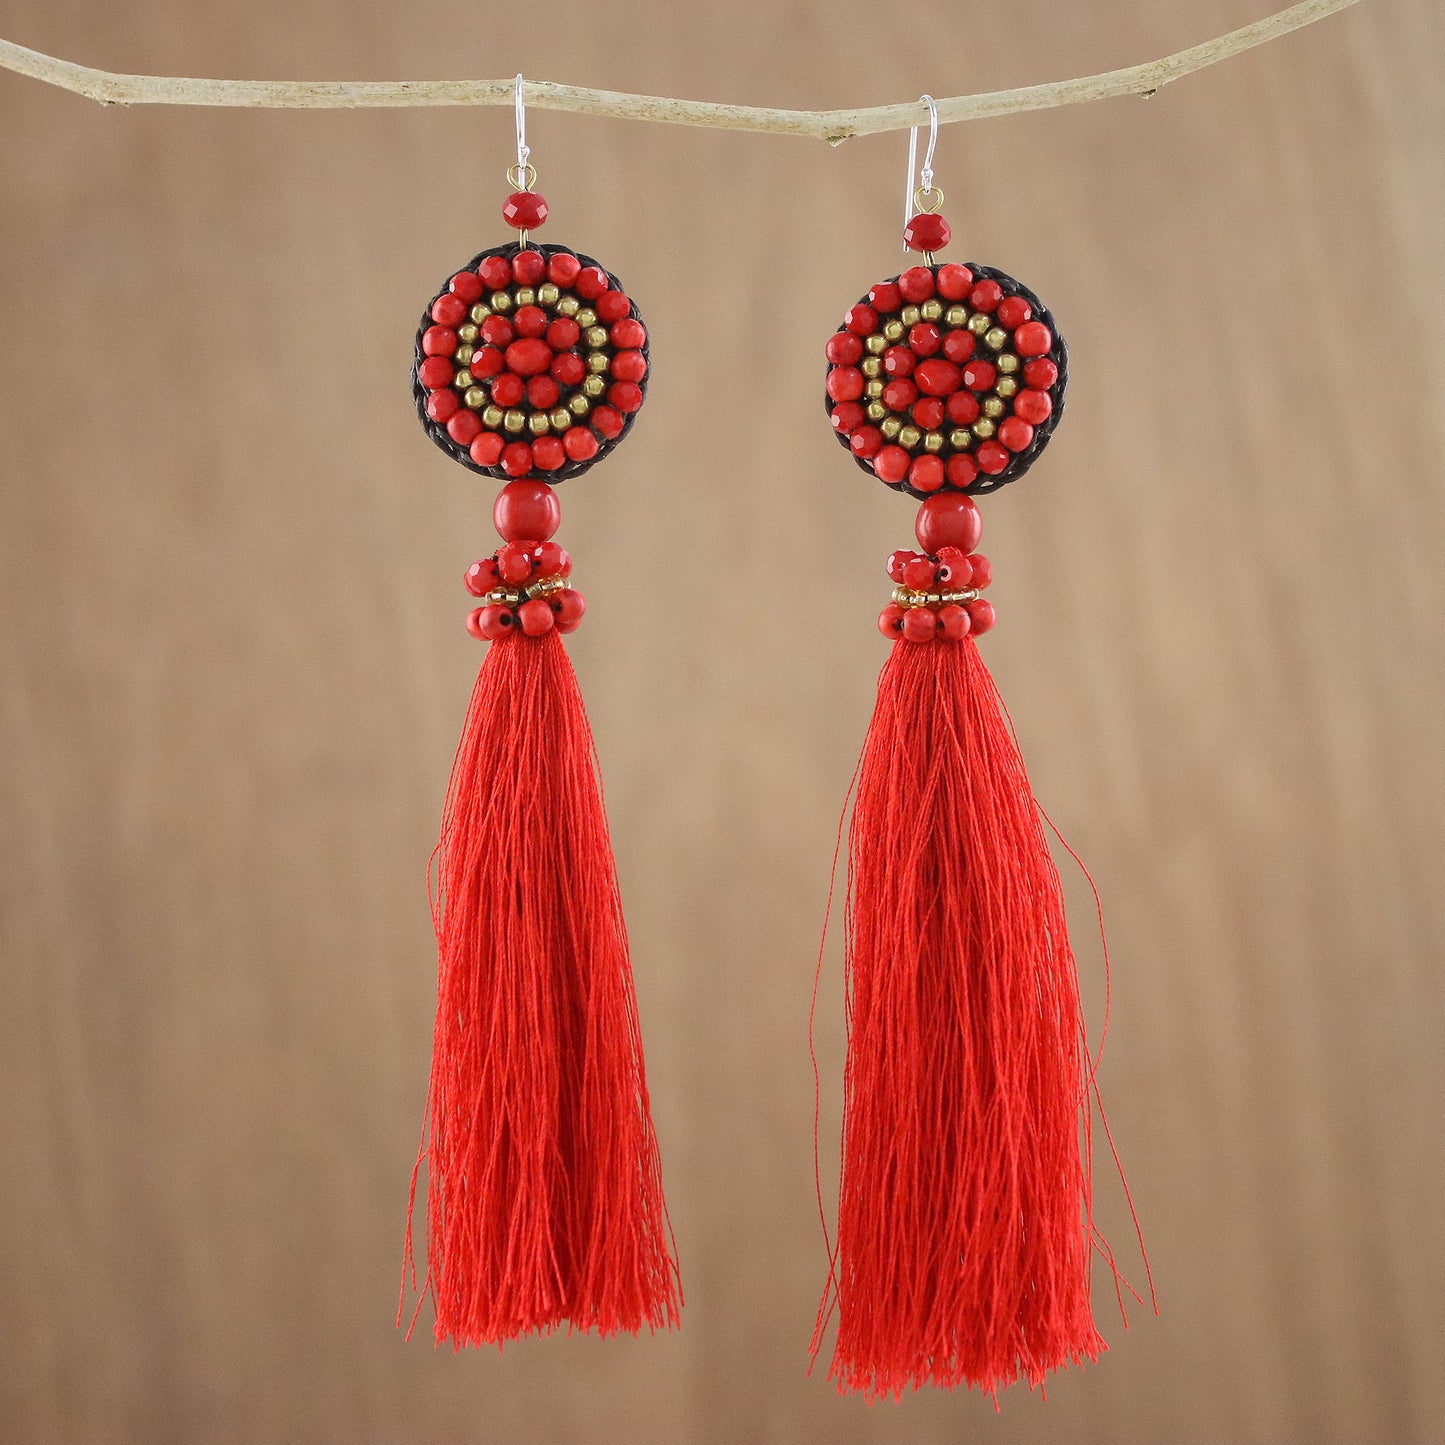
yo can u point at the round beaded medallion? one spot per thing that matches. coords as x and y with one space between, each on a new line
531 361
946 378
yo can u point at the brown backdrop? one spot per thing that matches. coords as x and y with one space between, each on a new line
234 670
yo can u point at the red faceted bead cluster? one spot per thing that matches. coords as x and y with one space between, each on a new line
945 378
524 585
531 363
937 597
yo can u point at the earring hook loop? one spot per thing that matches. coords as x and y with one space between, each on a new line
916 196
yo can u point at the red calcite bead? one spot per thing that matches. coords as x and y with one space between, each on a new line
612 306
568 368
981 616
552 560
861 320
448 310
628 334
1013 311
467 287
543 393
847 417
579 443
462 426
591 282
481 577
1041 373
441 404
927 231
900 394
992 457
524 210
626 396
916 284
548 453
890 621
926 473
924 338
938 377
529 321
885 296
954 281
979 375
508 390
962 470
954 622
1035 407
918 574
948 519
529 356
607 420
629 366
985 295
497 331
845 383
919 625
495 271
528 267
515 563
866 441
928 412
959 345
982 571
954 568
486 448
487 624
527 511
562 268
563 334
516 459
844 349
962 408
568 607
898 562
1015 433
891 464
899 361
438 341
536 617
486 361
1033 338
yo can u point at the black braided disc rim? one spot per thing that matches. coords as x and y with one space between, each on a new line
455 450
1020 462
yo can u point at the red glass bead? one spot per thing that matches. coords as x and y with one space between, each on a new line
612 306
982 571
891 464
562 268
948 519
626 396
925 473
992 457
628 334
529 356
448 310
591 282
924 338
927 231
536 617
568 368
845 383
1035 407
495 271
899 361
866 441
959 345
548 453
516 459
918 572
900 394
962 470
1013 311
1015 433
1041 373
847 417
552 560
1033 338
515 562
528 267
954 569
885 296
861 320
897 562
486 361
979 375
919 625
497 331
981 616
568 607
916 284
530 321
579 443
481 577
962 408
607 420
929 412
629 366
508 390
524 210
486 448
462 426
526 511
563 334
890 621
954 281
844 349
467 287
985 295
487 624
953 622
939 377
438 341
543 393
441 404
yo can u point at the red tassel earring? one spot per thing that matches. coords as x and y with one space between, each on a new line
965 1228
544 1196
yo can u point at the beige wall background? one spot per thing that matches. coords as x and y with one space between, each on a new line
234 670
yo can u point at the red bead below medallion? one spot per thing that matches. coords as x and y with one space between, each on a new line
528 357
516 459
891 464
449 310
514 562
1033 338
508 390
536 617
919 625
568 607
438 341
918 573
948 519
591 282
548 453
528 267
927 231
481 577
441 404
579 443
954 281
1013 311
890 620
1015 433
495 271
562 268
992 458
954 622
467 287
844 349
916 284
1041 373
955 570
926 473
608 421
552 560
612 306
897 564
486 449
982 570
487 624
847 417
981 616
462 426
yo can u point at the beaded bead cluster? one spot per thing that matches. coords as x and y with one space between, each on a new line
938 596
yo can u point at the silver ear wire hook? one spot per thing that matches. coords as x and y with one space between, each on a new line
915 195
520 105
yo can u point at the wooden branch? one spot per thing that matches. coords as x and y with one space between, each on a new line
834 126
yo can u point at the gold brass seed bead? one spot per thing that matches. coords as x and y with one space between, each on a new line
480 311
875 411
956 316
585 318
474 397
465 354
492 418
910 316
983 428
1008 362
892 330
1006 386
890 427
960 439
501 300
995 337
873 389
595 336
909 436
578 404
594 385
526 296
514 421
993 407
462 380
568 305
597 362
877 343
870 366
933 441
561 418
539 424
931 310
978 323
469 332
548 293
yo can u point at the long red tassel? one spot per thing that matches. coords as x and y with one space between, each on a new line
544 1202
965 1218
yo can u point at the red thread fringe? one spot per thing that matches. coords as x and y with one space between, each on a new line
965 1216
544 1201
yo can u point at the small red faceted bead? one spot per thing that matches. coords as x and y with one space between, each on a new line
495 271
982 570
979 375
890 620
948 519
885 296
845 383
486 449
866 441
1015 433
926 473
552 560
563 334
463 426
528 267
524 210
441 404
487 624
508 390
916 284
954 281
899 394
529 356
612 306
962 408
1041 374
927 231
954 568
626 396
898 562
481 577
992 458
628 334
568 607
962 470
516 459
1033 338
891 464
918 573
1013 311
938 377
985 296
847 417
959 345
467 287
844 349
981 616
497 331
591 282
548 453
629 366
515 563
543 393
1034 406
562 268
486 361
899 361
526 511
536 617
919 625
861 320
924 338
438 341
530 321
448 310
954 622
579 443
929 412
607 420
568 368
